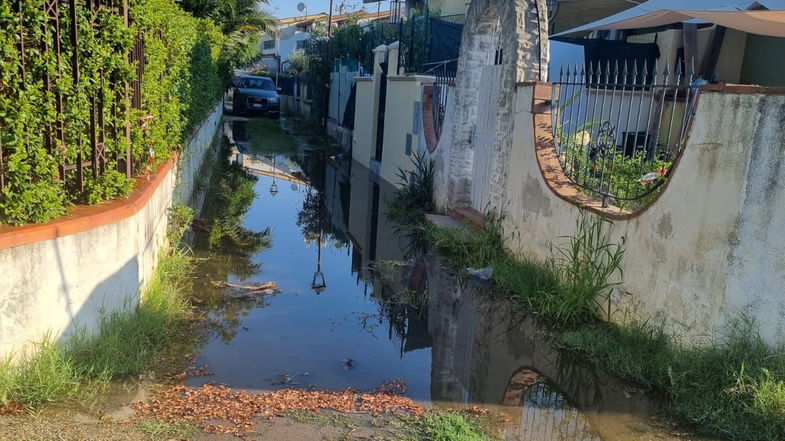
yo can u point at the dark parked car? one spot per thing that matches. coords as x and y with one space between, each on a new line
253 94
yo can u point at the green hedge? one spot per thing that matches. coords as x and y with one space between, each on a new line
184 77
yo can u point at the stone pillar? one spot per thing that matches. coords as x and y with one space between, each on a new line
392 58
520 29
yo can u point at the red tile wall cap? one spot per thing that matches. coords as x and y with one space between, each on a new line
560 184
743 89
87 217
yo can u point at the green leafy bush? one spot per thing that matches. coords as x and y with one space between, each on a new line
184 76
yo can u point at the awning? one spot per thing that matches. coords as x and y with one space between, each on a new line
729 13
771 23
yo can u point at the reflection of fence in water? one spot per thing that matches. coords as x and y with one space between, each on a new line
547 416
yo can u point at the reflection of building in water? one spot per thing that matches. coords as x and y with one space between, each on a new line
372 234
485 353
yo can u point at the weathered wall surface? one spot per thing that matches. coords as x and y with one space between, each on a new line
712 247
69 281
402 124
190 162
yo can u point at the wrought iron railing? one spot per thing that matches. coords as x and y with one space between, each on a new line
618 127
57 37
444 73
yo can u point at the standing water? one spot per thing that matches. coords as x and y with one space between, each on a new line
354 312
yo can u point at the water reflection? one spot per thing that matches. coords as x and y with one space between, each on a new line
453 342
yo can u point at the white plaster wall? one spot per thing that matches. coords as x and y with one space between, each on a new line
56 286
190 162
403 93
712 247
364 120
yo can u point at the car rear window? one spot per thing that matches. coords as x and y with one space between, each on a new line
257 83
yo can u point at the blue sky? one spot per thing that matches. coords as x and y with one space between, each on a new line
288 8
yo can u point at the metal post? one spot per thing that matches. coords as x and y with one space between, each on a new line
75 74
127 100
330 21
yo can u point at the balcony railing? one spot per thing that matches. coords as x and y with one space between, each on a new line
619 127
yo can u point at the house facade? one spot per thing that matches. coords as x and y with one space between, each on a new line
293 33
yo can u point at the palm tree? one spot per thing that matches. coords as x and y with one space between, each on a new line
247 16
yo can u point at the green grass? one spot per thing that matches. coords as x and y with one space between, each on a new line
734 389
268 137
525 280
414 198
125 345
169 430
443 426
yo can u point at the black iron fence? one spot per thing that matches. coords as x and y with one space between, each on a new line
618 127
57 37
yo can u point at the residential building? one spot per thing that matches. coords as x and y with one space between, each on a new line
293 32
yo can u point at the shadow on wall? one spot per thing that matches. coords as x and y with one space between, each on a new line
106 298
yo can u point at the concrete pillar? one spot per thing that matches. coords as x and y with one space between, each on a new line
393 58
380 55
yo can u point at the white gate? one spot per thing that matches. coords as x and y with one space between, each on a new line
485 137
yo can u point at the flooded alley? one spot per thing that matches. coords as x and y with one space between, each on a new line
357 308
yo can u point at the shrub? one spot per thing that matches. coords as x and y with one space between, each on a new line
184 76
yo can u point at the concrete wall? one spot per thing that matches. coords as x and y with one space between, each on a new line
402 124
711 248
60 284
364 122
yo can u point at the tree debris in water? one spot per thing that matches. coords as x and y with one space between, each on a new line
198 371
392 387
253 287
347 363
219 409
235 291
286 379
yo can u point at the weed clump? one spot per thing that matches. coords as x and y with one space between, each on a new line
525 279
414 198
444 426
734 389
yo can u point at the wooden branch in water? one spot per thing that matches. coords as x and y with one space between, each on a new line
255 287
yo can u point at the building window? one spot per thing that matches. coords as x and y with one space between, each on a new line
301 44
268 44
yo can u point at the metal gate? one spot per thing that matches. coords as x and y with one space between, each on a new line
485 136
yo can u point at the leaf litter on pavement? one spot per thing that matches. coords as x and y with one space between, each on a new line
223 410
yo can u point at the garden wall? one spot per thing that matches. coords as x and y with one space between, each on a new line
64 274
710 249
